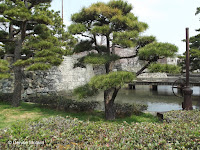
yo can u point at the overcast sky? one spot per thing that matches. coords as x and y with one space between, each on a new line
167 19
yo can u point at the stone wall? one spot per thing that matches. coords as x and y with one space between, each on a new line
58 79
65 78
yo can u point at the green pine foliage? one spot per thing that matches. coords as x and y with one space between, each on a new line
144 40
164 68
34 35
38 66
83 46
104 82
195 52
99 59
112 80
105 19
156 50
45 41
77 28
4 69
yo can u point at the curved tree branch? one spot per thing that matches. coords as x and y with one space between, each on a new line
143 68
116 90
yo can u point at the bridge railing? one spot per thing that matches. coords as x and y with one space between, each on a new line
169 80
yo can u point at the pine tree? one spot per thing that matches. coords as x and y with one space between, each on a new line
34 35
114 22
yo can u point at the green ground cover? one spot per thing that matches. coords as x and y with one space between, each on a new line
34 127
181 130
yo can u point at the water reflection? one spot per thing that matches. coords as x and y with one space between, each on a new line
161 100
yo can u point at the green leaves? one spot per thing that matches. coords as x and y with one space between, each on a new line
85 91
38 66
173 69
16 10
4 69
112 20
104 30
99 59
102 9
83 46
144 40
122 5
3 7
3 34
181 133
125 39
111 80
157 50
77 28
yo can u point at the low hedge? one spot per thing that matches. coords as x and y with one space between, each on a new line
6 97
62 103
70 133
126 110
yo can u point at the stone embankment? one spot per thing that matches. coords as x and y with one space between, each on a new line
64 78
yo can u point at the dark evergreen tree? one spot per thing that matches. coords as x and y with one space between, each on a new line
34 35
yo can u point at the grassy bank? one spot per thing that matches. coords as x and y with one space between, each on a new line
30 111
180 131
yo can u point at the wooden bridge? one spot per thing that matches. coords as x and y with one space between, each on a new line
168 80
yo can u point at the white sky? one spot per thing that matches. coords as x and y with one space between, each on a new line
167 19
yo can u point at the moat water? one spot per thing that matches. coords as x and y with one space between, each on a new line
161 100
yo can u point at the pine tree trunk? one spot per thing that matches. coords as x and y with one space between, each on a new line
143 68
18 75
17 87
109 105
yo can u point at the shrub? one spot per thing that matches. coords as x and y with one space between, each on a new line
83 106
125 110
6 97
62 103
70 133
85 91
182 116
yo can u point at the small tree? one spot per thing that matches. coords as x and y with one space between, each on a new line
34 35
114 22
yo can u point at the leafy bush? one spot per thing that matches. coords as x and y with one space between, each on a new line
83 106
182 116
173 69
125 110
6 97
85 91
62 103
69 133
